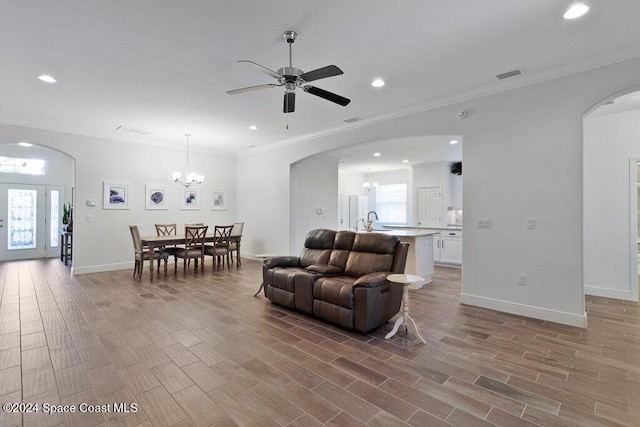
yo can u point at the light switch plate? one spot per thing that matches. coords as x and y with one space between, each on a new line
484 223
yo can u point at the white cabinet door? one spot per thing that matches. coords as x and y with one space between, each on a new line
436 247
430 207
451 249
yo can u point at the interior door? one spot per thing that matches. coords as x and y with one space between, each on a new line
430 207
22 222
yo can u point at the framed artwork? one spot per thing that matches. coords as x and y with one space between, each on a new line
220 200
116 195
190 199
156 196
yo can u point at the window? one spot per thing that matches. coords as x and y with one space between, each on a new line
25 166
22 219
54 222
391 203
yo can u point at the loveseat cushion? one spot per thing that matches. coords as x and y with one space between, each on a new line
317 247
325 269
335 290
371 252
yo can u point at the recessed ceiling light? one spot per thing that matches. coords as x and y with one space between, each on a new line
377 154
46 78
25 144
377 83
453 141
405 161
253 127
576 11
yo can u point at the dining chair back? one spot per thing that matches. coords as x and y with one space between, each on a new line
194 237
234 242
142 254
220 247
167 230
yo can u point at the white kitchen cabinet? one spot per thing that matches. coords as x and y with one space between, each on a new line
447 248
436 247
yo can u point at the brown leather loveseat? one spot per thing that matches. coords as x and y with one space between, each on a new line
340 277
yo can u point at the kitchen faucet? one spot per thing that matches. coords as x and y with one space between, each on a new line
369 225
356 227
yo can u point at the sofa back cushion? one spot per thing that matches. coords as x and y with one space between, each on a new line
317 247
371 252
341 248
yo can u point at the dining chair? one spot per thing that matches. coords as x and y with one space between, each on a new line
167 230
220 247
234 242
142 254
193 247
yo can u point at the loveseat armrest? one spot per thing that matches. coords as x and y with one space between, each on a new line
282 261
372 280
324 269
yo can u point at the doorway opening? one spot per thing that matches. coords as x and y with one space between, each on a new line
36 182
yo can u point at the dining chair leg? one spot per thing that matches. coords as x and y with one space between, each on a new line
165 266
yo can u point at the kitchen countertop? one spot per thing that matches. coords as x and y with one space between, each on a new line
405 232
417 227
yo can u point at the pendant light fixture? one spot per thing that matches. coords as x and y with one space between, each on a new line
191 178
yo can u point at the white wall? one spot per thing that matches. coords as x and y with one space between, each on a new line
105 242
314 185
610 141
522 159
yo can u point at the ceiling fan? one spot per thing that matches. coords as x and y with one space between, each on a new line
291 77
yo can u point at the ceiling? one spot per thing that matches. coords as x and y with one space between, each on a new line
161 68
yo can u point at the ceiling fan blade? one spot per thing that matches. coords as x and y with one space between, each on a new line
321 73
329 96
261 68
289 102
250 88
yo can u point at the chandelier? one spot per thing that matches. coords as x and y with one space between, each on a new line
368 185
192 178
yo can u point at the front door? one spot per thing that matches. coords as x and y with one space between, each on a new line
22 222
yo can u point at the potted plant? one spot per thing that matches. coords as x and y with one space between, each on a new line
67 217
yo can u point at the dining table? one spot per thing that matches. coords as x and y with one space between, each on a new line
153 242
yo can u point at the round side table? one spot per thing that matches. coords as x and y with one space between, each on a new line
406 280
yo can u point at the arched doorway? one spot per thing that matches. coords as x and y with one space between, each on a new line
35 183
611 152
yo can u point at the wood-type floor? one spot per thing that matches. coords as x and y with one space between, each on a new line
201 350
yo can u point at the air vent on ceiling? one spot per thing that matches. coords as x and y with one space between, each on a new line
353 120
134 131
508 74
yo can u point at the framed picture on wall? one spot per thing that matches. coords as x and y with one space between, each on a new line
220 200
115 195
156 196
190 199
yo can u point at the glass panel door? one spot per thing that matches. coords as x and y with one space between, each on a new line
22 221
55 200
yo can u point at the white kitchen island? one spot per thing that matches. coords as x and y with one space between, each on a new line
420 256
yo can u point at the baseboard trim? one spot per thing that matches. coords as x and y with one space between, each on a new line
598 291
103 267
564 318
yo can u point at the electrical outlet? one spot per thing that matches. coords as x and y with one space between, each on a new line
484 223
522 279
531 224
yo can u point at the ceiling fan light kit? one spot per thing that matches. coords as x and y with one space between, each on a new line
291 77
